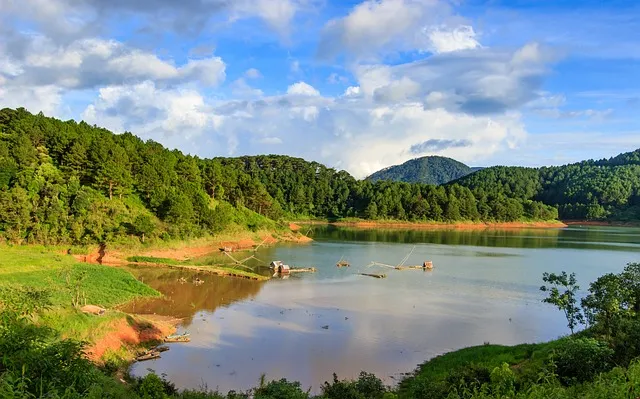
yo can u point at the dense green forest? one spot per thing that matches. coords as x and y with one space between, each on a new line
428 170
592 190
69 182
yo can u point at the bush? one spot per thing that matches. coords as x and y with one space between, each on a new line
282 389
626 341
581 359
468 378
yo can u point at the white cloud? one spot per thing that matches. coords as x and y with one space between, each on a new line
371 25
302 89
376 27
168 115
92 62
70 19
484 81
241 89
34 98
252 73
444 40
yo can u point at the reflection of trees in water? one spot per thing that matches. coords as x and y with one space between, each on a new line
512 238
185 299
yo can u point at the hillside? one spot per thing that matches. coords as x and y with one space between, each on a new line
69 182
607 189
428 170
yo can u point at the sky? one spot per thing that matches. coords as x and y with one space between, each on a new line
356 85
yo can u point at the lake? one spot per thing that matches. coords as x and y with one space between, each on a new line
484 288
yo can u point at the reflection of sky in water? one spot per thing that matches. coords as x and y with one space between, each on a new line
382 326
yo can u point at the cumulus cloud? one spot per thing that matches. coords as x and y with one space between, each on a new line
376 27
172 116
302 89
66 19
241 89
484 81
443 40
89 63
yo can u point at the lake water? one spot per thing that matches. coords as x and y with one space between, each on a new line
484 288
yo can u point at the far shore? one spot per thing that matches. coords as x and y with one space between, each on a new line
369 224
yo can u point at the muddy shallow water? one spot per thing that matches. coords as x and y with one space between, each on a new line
484 288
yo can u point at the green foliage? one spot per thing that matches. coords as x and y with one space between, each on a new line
566 300
281 389
580 359
591 190
67 182
427 170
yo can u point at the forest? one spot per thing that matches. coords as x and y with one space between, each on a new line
429 170
69 182
607 189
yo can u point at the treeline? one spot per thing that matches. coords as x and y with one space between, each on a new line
69 182
592 190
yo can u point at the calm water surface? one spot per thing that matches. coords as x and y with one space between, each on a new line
484 288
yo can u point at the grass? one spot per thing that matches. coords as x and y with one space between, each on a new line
199 265
40 267
526 360
153 259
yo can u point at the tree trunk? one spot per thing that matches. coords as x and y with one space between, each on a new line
110 190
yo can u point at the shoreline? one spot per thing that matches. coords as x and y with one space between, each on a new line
366 224
602 223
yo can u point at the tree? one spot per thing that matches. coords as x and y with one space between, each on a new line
565 301
144 226
372 211
604 303
630 281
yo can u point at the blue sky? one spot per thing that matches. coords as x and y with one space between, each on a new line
357 85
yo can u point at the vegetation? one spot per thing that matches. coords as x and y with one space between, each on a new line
428 170
71 183
599 362
70 285
608 189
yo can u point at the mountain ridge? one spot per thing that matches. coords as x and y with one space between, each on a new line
431 169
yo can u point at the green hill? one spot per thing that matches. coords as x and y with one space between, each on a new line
607 189
428 170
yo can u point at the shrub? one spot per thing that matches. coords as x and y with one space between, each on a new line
282 389
580 359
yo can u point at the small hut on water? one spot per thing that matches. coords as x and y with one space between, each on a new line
280 267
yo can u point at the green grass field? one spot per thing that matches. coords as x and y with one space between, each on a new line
39 267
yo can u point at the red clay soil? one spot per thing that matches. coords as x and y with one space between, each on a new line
294 227
122 333
453 226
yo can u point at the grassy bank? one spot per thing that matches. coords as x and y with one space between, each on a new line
69 281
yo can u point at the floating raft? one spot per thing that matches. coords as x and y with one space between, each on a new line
375 275
148 356
302 269
178 338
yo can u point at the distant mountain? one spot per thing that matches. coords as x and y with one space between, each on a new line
430 170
